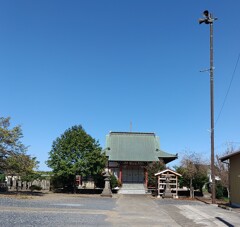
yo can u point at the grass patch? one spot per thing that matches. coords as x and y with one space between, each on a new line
24 197
225 199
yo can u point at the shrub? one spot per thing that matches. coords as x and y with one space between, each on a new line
2 178
221 191
113 181
35 187
3 187
63 183
99 181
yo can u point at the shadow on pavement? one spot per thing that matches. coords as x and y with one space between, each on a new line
225 222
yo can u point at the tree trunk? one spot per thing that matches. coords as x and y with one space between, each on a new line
191 189
228 193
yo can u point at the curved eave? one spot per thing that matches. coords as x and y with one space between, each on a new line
168 159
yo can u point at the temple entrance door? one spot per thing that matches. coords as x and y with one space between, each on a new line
133 174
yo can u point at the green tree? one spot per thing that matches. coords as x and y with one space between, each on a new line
10 141
2 177
75 153
153 168
194 172
21 165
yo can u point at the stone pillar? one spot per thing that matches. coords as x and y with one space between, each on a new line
158 187
146 177
19 185
176 187
14 184
9 180
29 184
120 174
48 185
43 184
24 184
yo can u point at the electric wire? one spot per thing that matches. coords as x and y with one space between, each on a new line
229 87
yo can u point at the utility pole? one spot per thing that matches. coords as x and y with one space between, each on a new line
209 20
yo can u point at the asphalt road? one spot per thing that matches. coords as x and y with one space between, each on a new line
121 210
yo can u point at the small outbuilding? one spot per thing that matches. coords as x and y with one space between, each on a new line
233 160
167 183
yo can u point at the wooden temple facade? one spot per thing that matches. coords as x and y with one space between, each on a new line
129 153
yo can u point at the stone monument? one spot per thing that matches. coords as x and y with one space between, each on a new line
107 192
167 193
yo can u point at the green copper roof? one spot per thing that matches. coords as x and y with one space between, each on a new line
134 146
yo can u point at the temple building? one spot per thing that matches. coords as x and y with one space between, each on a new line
129 153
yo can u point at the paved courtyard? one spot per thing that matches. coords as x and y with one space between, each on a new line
121 210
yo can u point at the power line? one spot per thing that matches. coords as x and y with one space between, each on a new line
230 84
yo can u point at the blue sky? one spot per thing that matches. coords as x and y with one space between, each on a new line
104 64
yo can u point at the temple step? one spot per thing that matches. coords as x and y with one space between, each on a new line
132 188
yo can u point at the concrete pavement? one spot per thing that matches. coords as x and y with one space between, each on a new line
142 210
139 210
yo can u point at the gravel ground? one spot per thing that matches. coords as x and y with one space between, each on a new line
55 210
9 219
60 201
